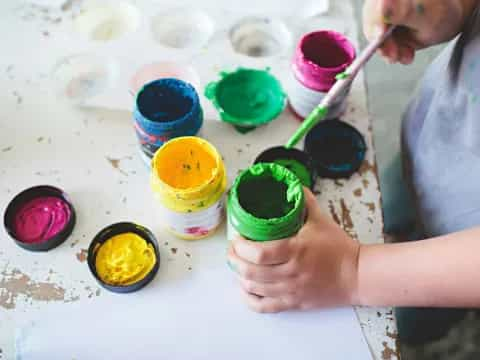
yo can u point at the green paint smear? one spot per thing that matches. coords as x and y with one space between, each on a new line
247 98
298 169
341 76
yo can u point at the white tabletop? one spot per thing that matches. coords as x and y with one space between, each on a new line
92 153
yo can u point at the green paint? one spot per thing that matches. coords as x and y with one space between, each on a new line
342 76
420 9
247 98
298 169
266 202
231 266
264 197
315 116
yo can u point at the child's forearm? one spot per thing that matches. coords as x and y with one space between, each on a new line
439 272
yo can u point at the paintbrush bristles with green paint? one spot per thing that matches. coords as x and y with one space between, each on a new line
343 81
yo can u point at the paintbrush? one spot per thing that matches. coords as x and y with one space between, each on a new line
344 80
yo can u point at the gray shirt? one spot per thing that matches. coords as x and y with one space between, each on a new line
441 138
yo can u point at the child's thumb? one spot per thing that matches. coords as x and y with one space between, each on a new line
313 209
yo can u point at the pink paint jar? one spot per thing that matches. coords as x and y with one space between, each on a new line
319 57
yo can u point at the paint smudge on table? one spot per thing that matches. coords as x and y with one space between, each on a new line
7 149
344 219
388 353
82 255
18 97
14 284
116 165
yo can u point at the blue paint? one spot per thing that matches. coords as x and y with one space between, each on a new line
166 109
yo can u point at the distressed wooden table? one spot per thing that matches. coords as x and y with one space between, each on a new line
91 152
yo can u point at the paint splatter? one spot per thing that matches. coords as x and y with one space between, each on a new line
174 250
15 284
46 33
187 254
334 214
365 183
7 149
358 192
75 242
68 5
82 255
367 168
370 206
388 353
40 139
116 165
19 98
347 222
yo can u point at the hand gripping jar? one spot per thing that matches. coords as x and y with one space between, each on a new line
189 180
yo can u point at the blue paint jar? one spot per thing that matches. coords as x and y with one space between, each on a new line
165 109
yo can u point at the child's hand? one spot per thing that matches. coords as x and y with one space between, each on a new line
422 23
316 268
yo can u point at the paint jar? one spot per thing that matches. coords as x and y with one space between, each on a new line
189 180
40 218
165 109
337 149
124 257
266 202
319 57
247 98
297 161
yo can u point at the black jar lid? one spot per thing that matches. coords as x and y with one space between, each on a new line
337 148
117 229
283 156
30 194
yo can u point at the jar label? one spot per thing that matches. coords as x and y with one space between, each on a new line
304 100
194 224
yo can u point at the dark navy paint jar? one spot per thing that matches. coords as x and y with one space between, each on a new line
165 109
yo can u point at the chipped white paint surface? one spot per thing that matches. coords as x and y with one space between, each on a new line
92 153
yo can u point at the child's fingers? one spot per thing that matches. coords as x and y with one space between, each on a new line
311 205
396 12
258 273
389 50
263 253
407 55
276 289
266 304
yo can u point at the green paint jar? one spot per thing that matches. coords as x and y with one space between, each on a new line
266 202
247 98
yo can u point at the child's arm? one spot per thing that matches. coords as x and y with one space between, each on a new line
439 272
322 266
422 23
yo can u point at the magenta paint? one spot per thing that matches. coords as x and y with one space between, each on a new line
319 57
40 219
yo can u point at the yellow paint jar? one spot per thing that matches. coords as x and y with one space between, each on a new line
189 180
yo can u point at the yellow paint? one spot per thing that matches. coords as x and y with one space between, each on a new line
124 259
186 164
188 175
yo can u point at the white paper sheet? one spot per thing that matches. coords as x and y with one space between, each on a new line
197 318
